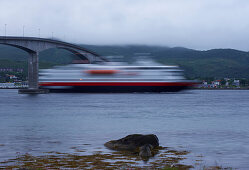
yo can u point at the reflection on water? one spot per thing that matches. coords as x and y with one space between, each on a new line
213 124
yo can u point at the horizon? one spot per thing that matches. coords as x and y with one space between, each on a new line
125 45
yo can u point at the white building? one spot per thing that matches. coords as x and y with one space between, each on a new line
7 85
236 82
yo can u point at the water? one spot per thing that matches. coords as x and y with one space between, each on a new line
209 123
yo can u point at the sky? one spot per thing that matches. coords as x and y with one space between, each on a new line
196 24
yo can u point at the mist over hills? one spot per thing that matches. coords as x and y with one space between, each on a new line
217 63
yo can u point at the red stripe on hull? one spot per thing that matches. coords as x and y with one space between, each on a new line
116 83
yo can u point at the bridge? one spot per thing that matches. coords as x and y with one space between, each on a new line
34 45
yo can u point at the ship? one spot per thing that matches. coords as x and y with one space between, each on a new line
113 77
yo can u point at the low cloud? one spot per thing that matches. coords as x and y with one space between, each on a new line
198 24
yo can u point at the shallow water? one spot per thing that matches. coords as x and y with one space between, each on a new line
209 123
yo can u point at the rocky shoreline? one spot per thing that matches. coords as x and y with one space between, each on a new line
126 156
167 158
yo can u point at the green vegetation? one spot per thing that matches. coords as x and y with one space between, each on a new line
215 64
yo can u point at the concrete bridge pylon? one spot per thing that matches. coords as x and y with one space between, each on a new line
33 67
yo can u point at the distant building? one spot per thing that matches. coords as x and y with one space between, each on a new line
11 70
7 85
236 83
6 69
12 76
204 84
227 83
14 85
216 83
19 70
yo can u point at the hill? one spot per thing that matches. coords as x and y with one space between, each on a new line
218 63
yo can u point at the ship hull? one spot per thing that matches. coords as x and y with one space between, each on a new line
150 87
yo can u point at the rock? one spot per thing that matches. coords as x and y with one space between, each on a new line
145 150
136 142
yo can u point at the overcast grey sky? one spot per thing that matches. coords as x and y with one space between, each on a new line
197 24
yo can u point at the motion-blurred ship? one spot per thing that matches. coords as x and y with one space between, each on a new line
112 77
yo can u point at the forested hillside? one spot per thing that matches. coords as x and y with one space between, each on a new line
217 63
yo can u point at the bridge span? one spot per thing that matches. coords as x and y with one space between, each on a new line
34 45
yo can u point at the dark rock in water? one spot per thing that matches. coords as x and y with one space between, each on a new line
136 142
145 150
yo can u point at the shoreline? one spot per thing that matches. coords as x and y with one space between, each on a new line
163 158
220 88
189 88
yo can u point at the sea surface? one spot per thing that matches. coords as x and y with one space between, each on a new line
212 124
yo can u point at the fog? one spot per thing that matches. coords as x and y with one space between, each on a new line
197 24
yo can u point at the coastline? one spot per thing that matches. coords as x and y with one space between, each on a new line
220 88
162 158
15 88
